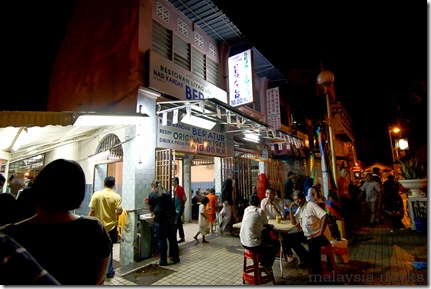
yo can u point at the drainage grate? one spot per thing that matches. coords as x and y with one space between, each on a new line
148 275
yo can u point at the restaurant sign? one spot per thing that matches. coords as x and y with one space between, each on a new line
190 139
170 78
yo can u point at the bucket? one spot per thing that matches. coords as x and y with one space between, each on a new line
421 225
340 251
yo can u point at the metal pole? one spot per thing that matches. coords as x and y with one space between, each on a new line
392 147
331 138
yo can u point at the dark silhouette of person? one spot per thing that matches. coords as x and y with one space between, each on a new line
180 194
18 267
8 209
74 249
161 205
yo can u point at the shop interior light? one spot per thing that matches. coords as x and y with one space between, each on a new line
108 119
198 121
252 137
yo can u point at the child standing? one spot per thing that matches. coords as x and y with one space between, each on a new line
204 227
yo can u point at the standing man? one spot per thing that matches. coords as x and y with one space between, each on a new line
373 192
227 190
313 221
105 205
180 194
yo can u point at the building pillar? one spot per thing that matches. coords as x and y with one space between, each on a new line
138 171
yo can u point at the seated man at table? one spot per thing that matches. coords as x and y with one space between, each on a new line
255 237
313 221
273 207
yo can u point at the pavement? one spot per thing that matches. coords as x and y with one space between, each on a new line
376 256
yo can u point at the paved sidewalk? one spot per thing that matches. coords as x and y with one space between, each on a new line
377 256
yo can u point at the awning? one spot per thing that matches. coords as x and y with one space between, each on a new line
233 120
35 132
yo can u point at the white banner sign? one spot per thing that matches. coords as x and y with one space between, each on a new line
187 138
273 108
241 78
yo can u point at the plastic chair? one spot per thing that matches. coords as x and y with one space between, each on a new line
253 273
329 267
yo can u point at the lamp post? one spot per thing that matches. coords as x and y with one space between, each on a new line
325 79
395 130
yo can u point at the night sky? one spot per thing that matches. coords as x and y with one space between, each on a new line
378 54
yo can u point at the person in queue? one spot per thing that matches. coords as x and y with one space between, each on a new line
106 206
60 241
161 205
227 192
211 207
313 221
2 181
18 267
253 237
180 194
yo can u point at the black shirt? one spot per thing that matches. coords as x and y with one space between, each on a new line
163 206
226 191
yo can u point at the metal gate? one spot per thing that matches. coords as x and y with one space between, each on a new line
164 167
277 174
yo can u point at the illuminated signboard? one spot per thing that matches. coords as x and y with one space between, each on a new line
241 78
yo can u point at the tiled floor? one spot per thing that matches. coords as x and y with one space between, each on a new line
377 256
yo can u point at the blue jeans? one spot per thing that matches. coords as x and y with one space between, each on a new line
166 231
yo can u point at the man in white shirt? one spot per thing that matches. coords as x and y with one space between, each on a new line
313 221
373 195
252 236
272 206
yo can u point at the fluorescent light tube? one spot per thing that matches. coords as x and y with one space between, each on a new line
199 122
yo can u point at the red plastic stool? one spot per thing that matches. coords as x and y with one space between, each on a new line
253 273
329 266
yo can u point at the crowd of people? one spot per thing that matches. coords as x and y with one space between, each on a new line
305 206
39 224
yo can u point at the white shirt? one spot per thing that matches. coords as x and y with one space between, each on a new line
253 220
270 210
372 189
309 217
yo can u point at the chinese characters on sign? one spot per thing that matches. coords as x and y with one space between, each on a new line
240 78
273 108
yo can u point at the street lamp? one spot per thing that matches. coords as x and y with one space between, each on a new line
395 130
325 79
